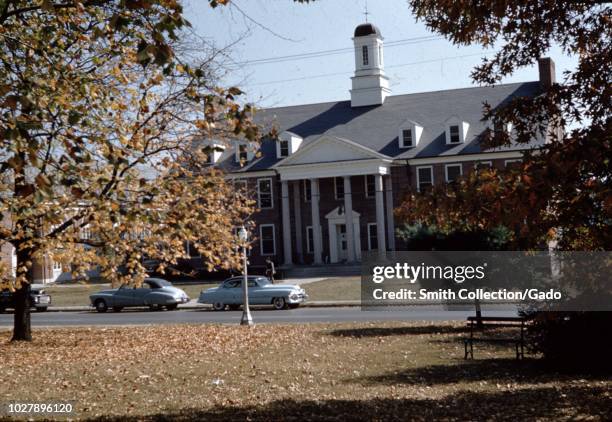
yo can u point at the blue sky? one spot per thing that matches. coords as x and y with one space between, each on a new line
262 29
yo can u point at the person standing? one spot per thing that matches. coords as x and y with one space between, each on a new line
270 270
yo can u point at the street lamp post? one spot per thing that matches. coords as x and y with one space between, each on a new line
246 319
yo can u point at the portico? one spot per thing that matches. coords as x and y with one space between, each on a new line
330 157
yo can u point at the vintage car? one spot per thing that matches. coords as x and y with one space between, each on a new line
261 292
39 299
156 293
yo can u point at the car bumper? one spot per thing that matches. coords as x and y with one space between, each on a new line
298 298
41 301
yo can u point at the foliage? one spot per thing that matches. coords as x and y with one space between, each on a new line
573 340
564 190
98 112
423 238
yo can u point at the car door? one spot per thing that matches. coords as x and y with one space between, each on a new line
142 295
258 294
123 296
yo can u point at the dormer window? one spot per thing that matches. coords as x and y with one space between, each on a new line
407 138
364 54
410 134
213 151
284 148
455 137
243 155
456 131
287 144
244 152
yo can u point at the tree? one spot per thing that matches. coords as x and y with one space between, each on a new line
98 112
564 191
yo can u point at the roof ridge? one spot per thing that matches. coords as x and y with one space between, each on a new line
400 95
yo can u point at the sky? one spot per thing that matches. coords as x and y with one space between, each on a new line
416 60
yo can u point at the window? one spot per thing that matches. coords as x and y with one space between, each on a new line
339 188
406 138
453 171
57 265
512 163
372 237
380 55
370 186
364 54
309 239
483 165
424 178
266 239
307 190
284 149
240 185
264 193
242 153
455 137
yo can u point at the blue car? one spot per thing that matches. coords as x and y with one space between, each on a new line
261 292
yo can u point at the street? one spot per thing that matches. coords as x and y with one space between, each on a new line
197 316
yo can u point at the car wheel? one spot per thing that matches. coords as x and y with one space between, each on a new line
117 308
279 303
172 307
233 307
219 306
2 310
101 306
42 309
155 307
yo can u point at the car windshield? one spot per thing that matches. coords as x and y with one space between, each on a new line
262 281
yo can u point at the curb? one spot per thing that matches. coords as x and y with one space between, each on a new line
190 306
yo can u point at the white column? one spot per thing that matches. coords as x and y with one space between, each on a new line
286 223
390 217
316 222
348 212
380 215
297 210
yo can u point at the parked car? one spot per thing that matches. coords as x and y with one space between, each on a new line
261 292
156 293
39 299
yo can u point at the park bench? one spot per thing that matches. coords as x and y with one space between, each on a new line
492 323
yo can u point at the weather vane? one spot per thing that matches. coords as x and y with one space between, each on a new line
366 10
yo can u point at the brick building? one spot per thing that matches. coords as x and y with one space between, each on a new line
326 189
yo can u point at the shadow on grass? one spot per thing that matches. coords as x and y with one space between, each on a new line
532 404
398 331
502 371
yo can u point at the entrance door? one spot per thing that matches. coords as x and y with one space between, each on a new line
341 242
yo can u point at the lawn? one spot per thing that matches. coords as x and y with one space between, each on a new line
374 371
331 289
78 294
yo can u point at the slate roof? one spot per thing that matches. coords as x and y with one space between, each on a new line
377 127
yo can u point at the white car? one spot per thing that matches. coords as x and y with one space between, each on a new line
261 292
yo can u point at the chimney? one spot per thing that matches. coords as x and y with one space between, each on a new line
546 67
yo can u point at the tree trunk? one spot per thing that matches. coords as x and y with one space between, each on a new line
22 327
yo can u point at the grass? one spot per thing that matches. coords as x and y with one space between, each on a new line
345 288
78 294
373 371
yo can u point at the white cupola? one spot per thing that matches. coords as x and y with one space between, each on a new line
370 85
